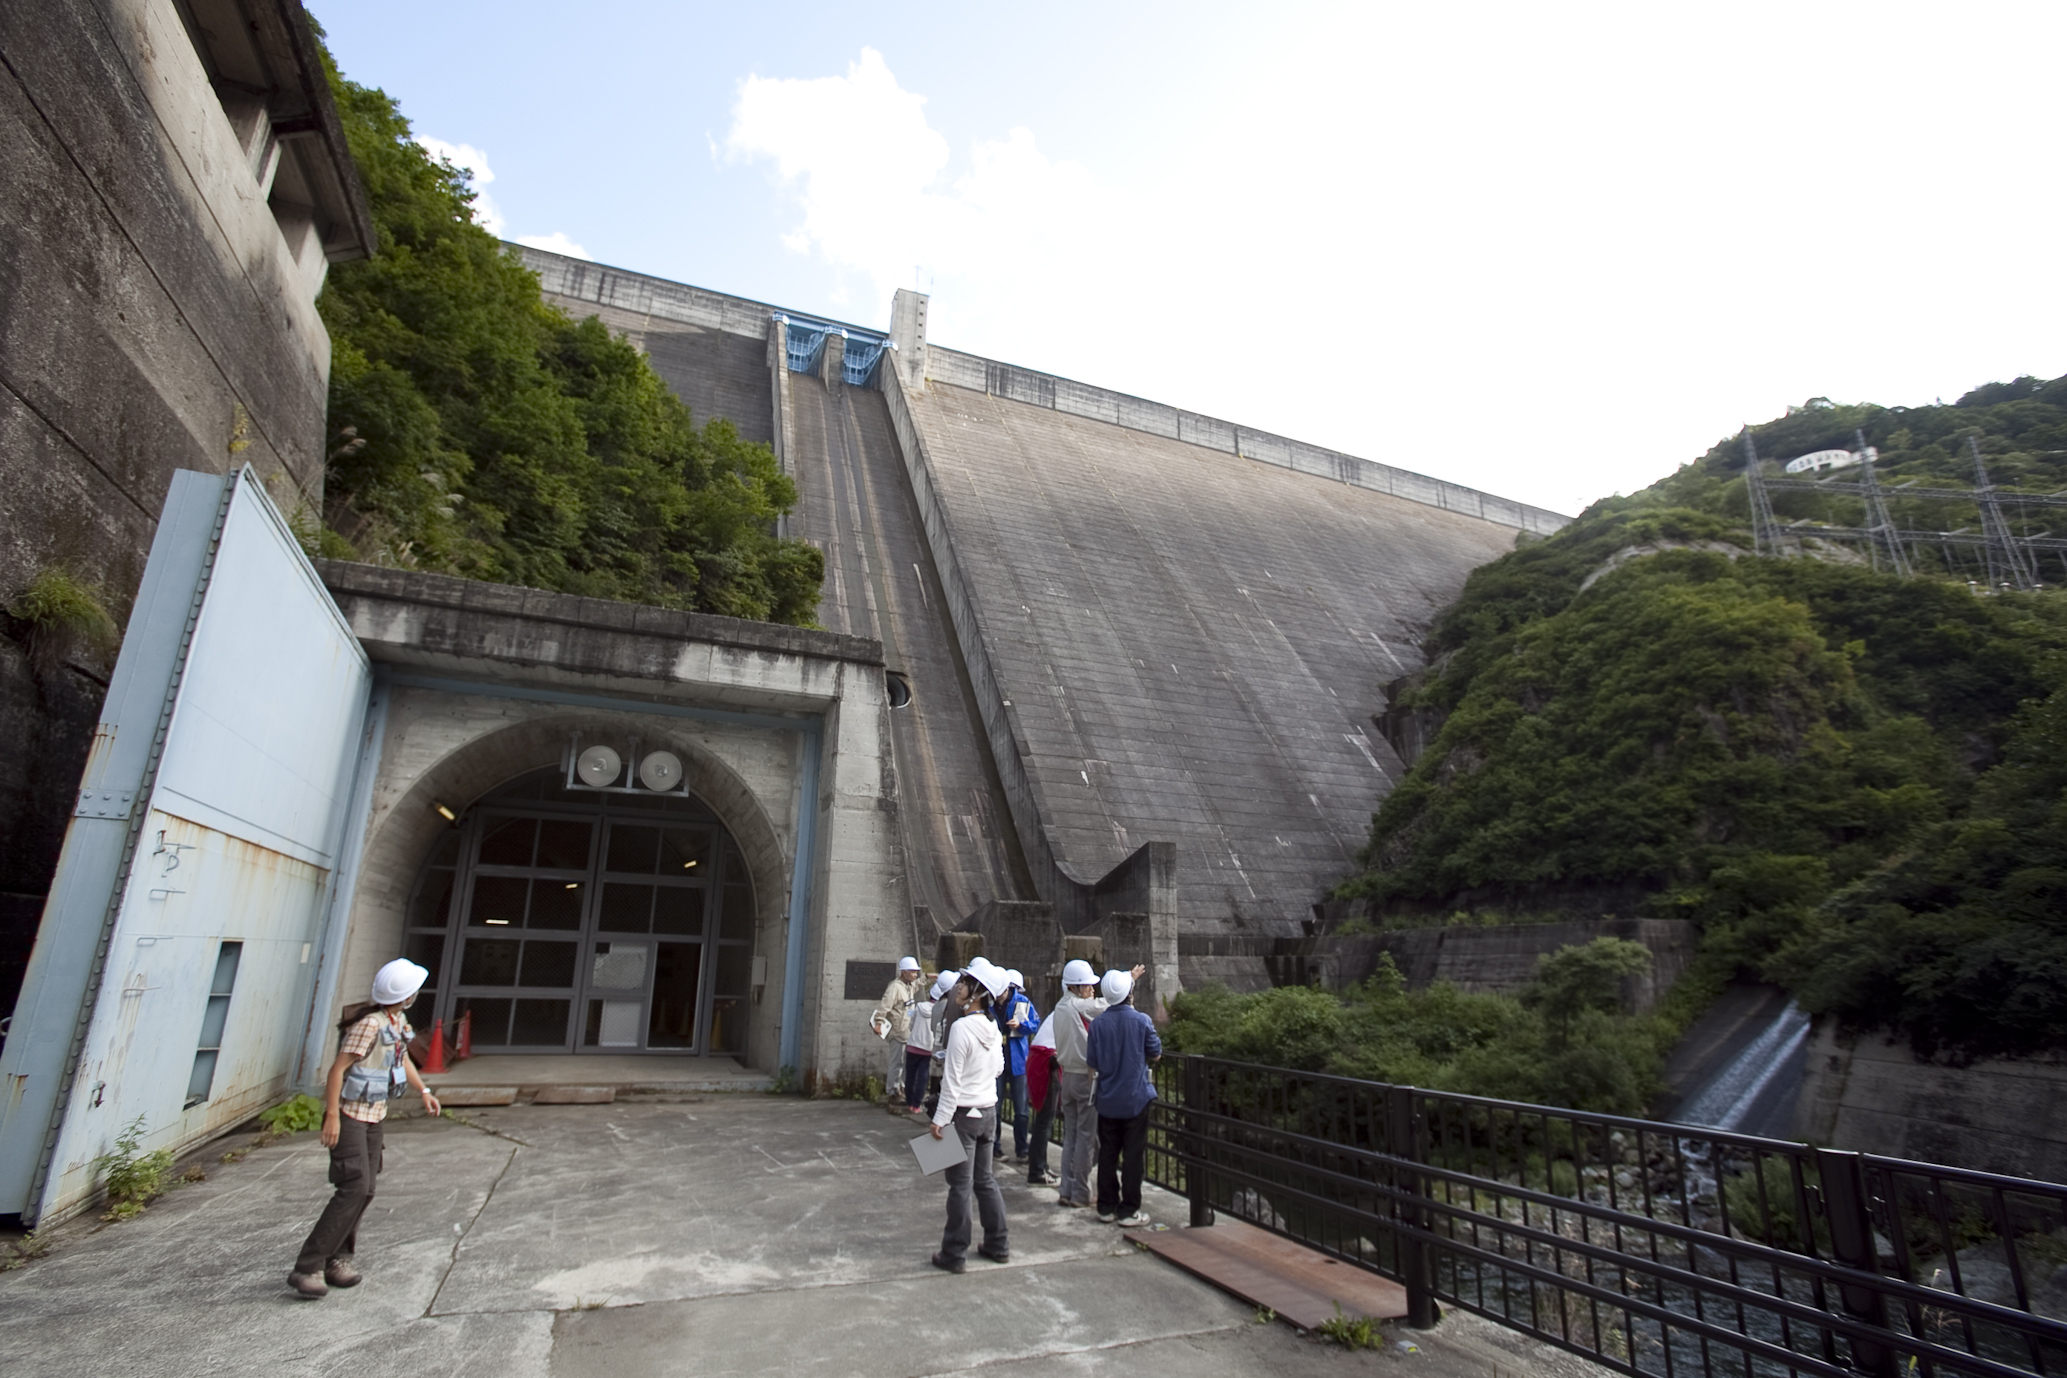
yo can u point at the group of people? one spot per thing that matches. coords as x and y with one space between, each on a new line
1087 1063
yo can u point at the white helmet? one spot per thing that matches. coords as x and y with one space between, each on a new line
945 982
1077 972
1116 986
1016 977
907 964
992 979
397 981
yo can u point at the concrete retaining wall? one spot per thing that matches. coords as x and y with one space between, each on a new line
1499 959
1869 1094
154 316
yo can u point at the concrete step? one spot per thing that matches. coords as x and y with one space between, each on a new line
526 1077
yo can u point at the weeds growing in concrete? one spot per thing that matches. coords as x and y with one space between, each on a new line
23 1252
65 618
293 1116
1360 1333
133 1178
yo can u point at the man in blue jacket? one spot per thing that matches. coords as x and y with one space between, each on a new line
1122 1046
1019 1021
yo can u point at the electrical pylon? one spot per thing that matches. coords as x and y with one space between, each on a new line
1765 527
1886 541
2007 567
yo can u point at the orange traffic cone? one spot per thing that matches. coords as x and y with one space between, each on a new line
435 1062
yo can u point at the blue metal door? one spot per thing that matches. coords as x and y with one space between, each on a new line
174 971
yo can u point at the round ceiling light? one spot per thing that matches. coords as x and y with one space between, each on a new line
598 766
662 770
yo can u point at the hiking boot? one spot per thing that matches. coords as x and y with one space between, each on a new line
948 1265
339 1272
1000 1256
308 1286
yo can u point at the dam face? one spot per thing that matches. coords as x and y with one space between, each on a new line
1121 623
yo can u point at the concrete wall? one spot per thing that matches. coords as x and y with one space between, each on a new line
488 682
1156 626
880 581
1869 1094
717 373
1493 958
584 287
156 314
1168 643
1171 423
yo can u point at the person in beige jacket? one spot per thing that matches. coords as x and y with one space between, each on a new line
891 1021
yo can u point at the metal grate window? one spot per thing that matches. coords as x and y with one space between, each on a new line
212 1022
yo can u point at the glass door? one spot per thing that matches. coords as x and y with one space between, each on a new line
521 925
646 973
564 922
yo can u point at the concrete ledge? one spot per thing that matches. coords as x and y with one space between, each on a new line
458 615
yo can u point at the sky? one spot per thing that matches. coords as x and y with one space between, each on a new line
1549 251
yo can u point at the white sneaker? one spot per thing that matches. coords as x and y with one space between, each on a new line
1134 1221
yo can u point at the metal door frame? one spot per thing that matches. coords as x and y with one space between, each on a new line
601 815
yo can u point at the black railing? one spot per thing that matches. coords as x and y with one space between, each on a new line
1651 1248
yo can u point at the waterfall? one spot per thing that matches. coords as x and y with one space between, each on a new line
1729 1098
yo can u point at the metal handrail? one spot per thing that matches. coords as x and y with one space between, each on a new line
1445 1169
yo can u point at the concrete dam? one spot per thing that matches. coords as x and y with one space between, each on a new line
1122 624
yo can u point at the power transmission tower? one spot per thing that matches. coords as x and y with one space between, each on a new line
1765 527
1885 539
2005 558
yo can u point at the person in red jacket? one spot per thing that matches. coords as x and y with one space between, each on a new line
1044 1095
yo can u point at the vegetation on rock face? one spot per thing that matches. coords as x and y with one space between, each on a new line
1566 1041
64 617
479 431
1850 780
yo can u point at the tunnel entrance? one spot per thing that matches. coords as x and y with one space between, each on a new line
562 920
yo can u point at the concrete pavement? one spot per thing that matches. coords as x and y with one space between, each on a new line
720 1235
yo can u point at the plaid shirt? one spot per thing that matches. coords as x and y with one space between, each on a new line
359 1040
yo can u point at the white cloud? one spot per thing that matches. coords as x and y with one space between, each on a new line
874 197
474 163
1454 240
555 243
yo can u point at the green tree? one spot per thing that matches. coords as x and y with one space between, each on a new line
1582 978
479 431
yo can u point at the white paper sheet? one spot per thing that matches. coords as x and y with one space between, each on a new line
938 1155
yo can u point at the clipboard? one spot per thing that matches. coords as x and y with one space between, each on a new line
938 1155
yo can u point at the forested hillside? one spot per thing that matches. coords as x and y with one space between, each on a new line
1852 782
478 431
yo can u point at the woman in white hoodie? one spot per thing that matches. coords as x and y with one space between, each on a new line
969 1102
